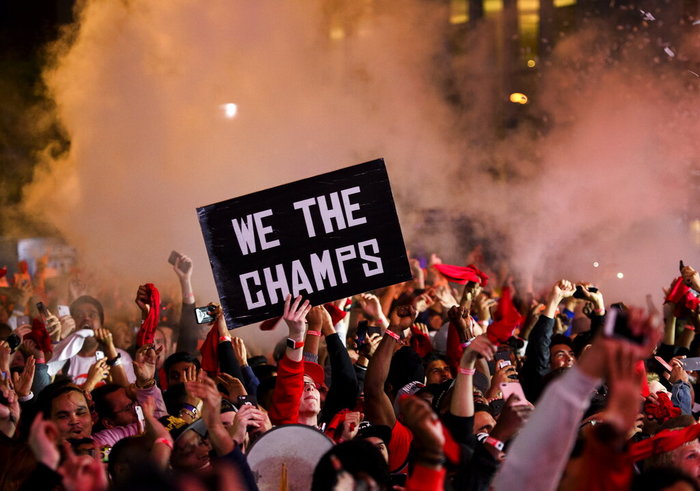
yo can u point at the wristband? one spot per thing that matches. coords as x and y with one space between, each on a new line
466 344
380 322
28 397
111 362
599 311
223 339
497 444
313 333
165 442
393 335
466 371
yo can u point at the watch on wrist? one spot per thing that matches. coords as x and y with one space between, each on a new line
294 344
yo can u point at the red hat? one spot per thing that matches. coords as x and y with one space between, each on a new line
315 371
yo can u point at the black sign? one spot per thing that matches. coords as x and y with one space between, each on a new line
325 237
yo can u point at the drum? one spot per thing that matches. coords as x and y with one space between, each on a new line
284 458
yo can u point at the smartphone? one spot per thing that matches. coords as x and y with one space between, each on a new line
244 401
204 314
508 388
691 364
23 320
63 310
99 355
42 309
373 330
616 325
362 327
174 256
503 363
663 363
681 265
139 416
579 291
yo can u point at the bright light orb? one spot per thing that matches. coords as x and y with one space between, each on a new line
230 110
518 98
596 264
620 275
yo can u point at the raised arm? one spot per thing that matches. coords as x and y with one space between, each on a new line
284 408
378 407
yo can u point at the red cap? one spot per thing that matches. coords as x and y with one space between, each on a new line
315 371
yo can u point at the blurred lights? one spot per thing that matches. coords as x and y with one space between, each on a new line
518 98
230 110
337 33
596 264
531 63
620 275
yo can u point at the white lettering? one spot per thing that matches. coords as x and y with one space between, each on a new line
299 279
273 284
263 231
322 268
350 207
343 254
260 300
244 234
335 212
379 267
305 206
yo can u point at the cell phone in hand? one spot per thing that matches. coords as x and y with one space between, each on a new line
508 388
42 309
174 256
99 355
663 364
244 401
579 293
62 310
139 414
617 325
204 315
361 332
23 320
691 364
503 363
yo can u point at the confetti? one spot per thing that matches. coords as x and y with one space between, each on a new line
669 52
647 16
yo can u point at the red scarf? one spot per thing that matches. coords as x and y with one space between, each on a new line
209 351
41 337
462 274
148 328
507 319
682 296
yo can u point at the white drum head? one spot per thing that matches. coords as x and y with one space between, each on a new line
287 453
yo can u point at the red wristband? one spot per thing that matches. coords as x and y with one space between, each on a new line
223 339
313 333
393 335
165 442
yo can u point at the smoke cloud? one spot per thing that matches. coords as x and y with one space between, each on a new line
602 174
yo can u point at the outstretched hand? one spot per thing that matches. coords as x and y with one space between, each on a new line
295 316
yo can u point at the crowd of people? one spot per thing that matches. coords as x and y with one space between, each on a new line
458 379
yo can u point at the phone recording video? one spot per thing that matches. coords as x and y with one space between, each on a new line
174 256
